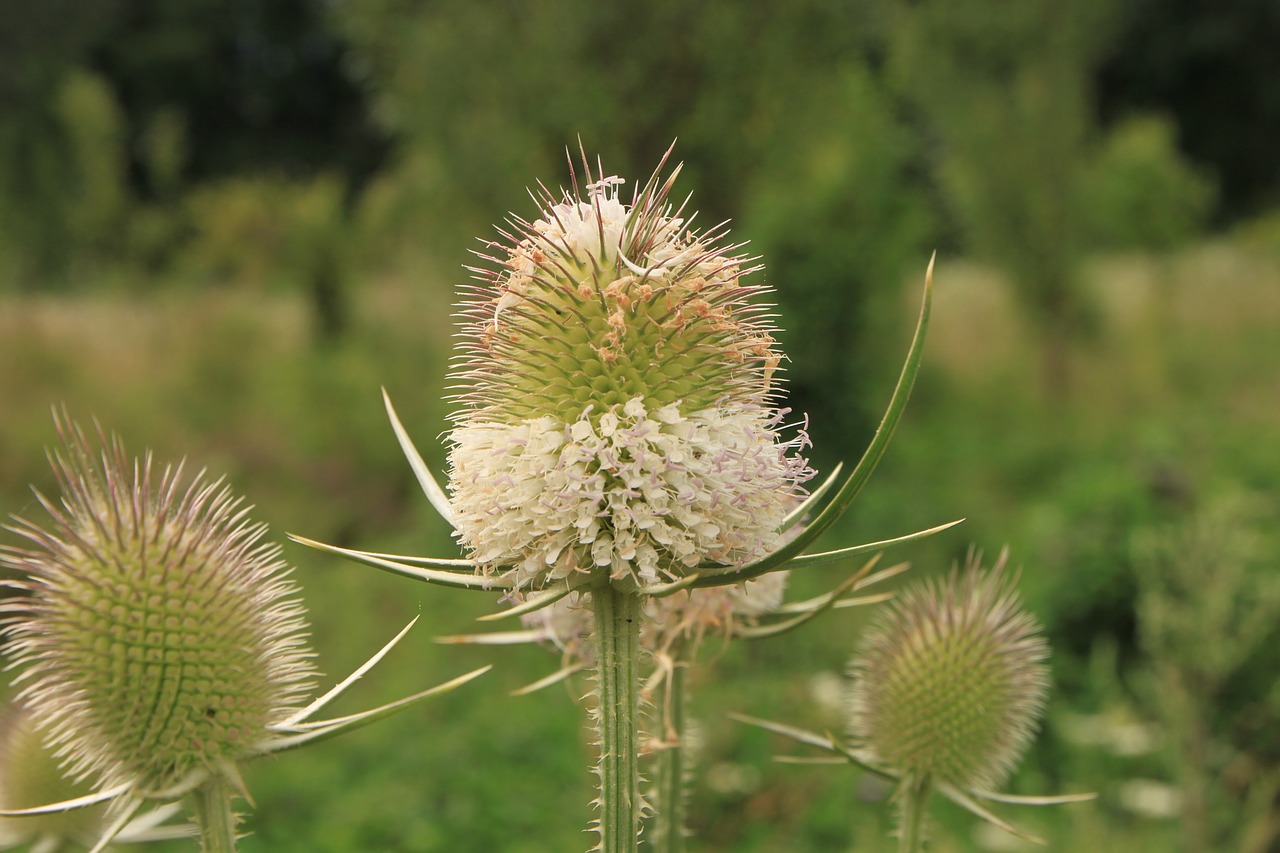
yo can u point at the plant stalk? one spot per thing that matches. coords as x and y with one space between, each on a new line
617 622
668 823
914 793
214 817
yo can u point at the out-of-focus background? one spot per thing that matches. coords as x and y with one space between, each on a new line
224 224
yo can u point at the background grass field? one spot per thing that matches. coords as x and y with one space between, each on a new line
1171 416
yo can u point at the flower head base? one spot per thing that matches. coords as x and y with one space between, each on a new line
949 684
617 417
161 637
675 624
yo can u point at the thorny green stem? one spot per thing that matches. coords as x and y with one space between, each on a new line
914 794
668 823
214 816
617 623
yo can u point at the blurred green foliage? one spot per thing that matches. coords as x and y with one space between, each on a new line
224 224
1119 506
1141 193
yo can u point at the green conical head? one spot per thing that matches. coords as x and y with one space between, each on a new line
599 302
950 681
160 636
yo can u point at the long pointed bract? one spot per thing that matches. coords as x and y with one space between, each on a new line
69 805
325 729
341 687
445 578
870 458
426 480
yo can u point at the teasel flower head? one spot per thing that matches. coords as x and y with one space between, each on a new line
617 420
947 689
950 681
161 640
160 636
617 414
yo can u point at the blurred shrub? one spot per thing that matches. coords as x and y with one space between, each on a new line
240 231
1208 617
1003 90
270 233
63 181
1141 193
94 123
837 217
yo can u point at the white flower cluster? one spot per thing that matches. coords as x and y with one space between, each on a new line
591 234
595 227
647 494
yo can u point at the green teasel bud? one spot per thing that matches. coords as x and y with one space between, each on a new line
950 680
30 776
617 388
159 636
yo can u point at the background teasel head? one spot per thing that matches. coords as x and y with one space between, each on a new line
684 617
30 776
950 680
617 418
159 636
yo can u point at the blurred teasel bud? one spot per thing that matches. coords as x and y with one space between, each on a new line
617 419
684 617
950 681
160 637
30 775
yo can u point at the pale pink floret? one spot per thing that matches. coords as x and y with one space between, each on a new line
648 494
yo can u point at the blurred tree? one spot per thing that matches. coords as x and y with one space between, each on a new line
40 43
776 121
1004 90
259 86
1214 66
94 126
108 104
1141 193
838 216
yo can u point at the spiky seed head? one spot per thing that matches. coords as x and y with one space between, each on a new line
30 776
160 636
616 389
950 680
